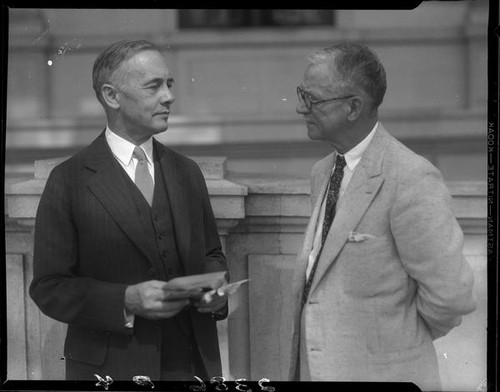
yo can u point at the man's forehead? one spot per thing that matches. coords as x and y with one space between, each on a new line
146 62
317 76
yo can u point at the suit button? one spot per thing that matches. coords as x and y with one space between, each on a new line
151 272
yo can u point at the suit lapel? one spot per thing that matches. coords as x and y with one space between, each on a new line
177 191
318 195
364 185
322 178
110 188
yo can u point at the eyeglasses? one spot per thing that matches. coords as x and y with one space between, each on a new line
307 99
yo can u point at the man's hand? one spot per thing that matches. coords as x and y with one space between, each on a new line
154 300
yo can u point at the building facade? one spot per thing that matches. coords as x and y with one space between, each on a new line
235 86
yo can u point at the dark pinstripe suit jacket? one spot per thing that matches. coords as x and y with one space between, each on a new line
90 243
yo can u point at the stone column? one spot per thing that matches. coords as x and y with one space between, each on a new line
25 323
475 33
262 248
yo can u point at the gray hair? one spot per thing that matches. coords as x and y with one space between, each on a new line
354 66
110 59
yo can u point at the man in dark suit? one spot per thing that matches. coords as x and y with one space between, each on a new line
115 223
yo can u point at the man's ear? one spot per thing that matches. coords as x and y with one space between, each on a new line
356 105
110 95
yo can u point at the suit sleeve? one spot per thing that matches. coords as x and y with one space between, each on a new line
57 288
429 241
215 259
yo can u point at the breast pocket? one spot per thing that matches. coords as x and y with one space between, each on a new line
369 265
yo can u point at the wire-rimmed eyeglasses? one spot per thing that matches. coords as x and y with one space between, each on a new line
306 98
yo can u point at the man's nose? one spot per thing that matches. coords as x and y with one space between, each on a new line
301 108
167 96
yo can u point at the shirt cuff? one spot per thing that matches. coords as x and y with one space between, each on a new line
129 318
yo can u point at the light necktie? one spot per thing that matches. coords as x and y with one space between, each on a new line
331 202
143 179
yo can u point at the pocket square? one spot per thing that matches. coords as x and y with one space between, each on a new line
358 237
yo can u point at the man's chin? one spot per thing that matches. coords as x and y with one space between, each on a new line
313 134
161 129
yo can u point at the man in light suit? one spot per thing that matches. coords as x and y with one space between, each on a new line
115 223
381 273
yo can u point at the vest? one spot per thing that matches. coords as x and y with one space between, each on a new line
163 227
158 223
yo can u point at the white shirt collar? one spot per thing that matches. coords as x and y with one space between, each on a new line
122 149
353 156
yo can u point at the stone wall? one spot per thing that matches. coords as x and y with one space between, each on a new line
261 220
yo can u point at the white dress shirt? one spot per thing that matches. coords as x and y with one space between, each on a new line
122 150
352 158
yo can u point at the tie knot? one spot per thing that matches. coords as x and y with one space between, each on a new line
139 154
340 162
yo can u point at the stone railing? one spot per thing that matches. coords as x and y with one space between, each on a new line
261 221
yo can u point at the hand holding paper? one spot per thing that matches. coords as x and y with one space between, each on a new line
209 291
154 300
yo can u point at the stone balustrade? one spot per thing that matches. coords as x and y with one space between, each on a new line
261 221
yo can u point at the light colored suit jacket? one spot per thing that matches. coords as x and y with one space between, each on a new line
391 277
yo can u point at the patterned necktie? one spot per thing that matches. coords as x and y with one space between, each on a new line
143 179
331 202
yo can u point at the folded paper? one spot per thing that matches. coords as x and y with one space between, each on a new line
227 289
203 286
